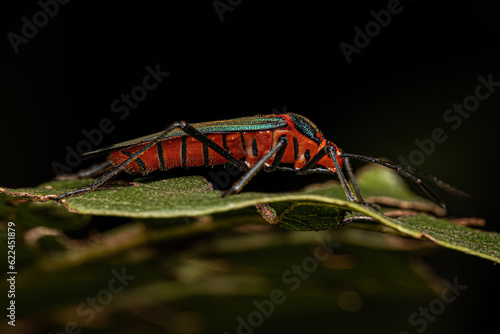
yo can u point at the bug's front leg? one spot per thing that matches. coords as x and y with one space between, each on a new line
348 167
331 152
310 167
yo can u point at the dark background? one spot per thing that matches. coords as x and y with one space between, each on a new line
261 57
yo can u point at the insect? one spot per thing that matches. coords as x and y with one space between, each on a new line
288 142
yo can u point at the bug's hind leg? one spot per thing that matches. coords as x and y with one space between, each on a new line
188 129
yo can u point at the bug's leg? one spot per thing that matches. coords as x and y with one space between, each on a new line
409 173
311 165
348 167
350 173
332 153
277 158
106 177
213 145
188 129
97 169
317 170
238 185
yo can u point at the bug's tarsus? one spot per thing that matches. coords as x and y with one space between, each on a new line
105 178
443 185
74 192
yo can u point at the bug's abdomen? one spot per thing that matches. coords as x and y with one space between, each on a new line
186 151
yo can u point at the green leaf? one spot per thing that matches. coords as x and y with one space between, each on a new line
319 207
170 198
444 233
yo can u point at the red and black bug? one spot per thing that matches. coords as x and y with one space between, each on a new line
249 143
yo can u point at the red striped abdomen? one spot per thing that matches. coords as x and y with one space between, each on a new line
185 151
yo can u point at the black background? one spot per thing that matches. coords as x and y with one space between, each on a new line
265 56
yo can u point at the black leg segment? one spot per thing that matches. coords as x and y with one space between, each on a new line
332 153
413 175
348 167
279 149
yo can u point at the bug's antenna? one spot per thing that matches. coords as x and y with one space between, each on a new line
414 175
443 185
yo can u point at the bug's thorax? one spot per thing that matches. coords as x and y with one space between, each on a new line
304 142
308 149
